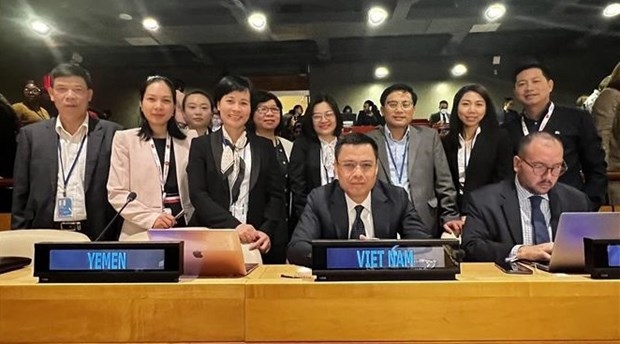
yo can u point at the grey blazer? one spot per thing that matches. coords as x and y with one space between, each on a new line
36 175
430 183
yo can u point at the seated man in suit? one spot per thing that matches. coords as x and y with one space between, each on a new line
356 205
62 164
517 219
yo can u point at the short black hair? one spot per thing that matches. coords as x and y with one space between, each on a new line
527 140
307 127
231 83
259 97
444 102
146 132
532 64
68 69
398 87
197 91
356 139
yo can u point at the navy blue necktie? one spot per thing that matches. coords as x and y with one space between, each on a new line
357 228
541 235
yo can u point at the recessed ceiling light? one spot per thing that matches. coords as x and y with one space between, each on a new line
125 16
611 10
381 72
150 24
376 16
459 70
257 21
40 27
494 12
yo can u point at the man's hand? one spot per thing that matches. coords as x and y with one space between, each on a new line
535 253
247 233
454 227
263 243
164 220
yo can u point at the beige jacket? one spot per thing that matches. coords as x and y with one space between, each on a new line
606 112
132 168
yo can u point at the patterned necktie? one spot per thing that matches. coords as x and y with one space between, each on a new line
539 224
358 226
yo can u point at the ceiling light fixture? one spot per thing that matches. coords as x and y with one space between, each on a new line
381 72
125 16
494 12
40 27
611 10
150 24
257 21
459 70
377 16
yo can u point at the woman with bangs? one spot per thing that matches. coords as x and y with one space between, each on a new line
233 175
313 157
151 162
478 151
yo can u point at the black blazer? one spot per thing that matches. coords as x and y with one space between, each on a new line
583 150
325 217
374 120
490 162
209 189
493 225
36 175
304 171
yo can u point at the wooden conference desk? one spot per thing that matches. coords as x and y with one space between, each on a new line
484 306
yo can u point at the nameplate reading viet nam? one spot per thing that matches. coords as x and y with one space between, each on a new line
341 260
86 262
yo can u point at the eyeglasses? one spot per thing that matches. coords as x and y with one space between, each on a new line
393 105
542 169
319 116
350 166
264 110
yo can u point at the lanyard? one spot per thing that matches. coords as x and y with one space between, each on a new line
399 174
65 179
163 173
542 124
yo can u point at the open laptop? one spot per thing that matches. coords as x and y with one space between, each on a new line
207 252
568 252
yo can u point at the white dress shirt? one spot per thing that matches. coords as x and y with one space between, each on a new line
239 209
70 144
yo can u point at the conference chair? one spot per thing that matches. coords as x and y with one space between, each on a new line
21 242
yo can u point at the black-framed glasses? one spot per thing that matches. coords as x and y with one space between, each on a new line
542 169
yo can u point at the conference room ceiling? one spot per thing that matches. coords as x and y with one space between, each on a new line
303 33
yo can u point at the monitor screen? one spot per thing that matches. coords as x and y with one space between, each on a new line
613 256
106 259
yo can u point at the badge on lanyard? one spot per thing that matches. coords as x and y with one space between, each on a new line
65 208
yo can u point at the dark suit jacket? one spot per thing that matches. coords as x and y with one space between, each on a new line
490 162
325 217
583 151
209 189
493 225
304 172
36 174
364 119
436 117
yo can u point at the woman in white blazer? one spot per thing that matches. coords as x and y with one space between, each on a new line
151 161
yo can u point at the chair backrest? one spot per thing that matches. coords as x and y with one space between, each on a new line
249 257
21 242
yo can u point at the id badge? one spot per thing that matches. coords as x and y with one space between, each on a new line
238 211
65 208
168 211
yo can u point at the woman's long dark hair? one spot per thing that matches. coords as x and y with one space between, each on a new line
307 127
456 125
146 132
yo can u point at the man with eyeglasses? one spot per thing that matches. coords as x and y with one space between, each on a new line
354 206
517 219
413 158
583 149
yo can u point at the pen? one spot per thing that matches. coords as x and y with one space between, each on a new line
181 213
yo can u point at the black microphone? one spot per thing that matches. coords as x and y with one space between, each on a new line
132 196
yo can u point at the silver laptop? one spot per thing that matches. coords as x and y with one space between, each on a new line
568 253
207 252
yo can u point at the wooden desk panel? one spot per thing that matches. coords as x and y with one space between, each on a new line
485 305
190 311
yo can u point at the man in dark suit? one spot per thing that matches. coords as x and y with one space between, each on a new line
62 164
583 151
517 219
356 205
442 116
